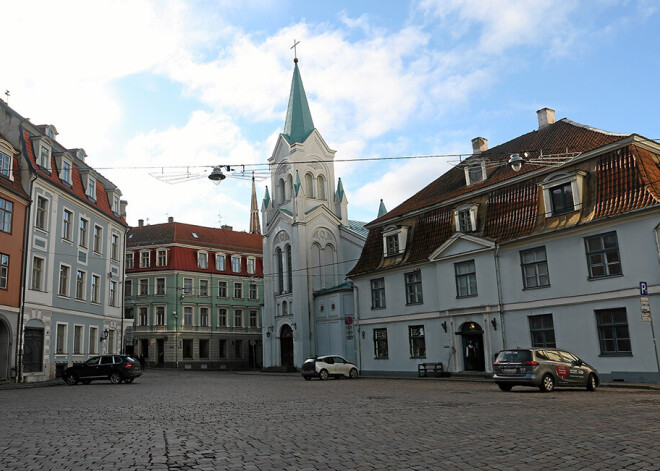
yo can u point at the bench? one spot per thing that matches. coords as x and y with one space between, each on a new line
424 368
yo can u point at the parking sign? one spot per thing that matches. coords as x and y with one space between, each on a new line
643 288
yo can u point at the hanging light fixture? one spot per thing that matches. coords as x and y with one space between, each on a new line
216 175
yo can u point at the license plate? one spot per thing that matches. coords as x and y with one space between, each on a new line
509 370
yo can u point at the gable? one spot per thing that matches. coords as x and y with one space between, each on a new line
461 244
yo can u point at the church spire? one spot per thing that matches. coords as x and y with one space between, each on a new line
298 125
382 211
255 228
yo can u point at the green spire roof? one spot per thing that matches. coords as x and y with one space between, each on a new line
266 198
340 191
297 184
298 125
382 211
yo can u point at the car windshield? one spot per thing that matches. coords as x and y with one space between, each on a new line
514 356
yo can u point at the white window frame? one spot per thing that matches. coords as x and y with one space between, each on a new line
473 209
41 216
44 156
129 263
143 315
238 315
67 286
90 191
223 313
220 261
204 292
67 225
143 283
577 182
145 258
161 257
93 340
81 288
114 252
401 233
98 239
6 160
64 327
112 293
188 286
83 232
156 291
251 265
202 260
474 163
96 289
239 264
78 344
39 284
160 316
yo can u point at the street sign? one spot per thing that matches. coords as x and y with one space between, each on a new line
643 288
646 317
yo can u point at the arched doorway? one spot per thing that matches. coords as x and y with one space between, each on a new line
473 347
4 351
286 346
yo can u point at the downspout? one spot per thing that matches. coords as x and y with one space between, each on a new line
356 309
21 318
500 304
122 261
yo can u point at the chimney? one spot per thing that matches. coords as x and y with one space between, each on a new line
140 222
226 227
546 117
479 145
170 219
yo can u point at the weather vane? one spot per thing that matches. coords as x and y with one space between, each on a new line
295 53
7 94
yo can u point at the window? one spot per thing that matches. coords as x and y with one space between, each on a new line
466 279
414 287
238 290
98 242
222 289
129 261
380 343
603 255
238 349
542 331
238 318
128 288
534 268
562 192
220 262
222 317
63 289
251 264
187 286
202 260
417 341
465 218
144 259
222 348
143 315
475 173
160 286
4 270
235 263
93 340
613 331
143 287
113 294
42 212
81 278
115 247
254 319
320 181
187 348
161 258
66 224
203 348
44 157
392 245
37 273
115 204
378 293
253 291
280 269
289 268
96 281
5 165
82 234
562 199
91 189
160 315
60 339
65 174
203 287
187 315
309 185
204 316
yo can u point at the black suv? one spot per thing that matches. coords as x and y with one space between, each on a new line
116 368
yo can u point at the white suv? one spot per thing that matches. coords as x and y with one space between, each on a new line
329 365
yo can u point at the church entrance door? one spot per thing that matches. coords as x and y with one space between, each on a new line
286 346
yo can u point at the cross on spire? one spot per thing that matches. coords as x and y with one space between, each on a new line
295 53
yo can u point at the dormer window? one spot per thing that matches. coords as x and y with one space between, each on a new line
465 218
563 193
220 262
63 161
202 260
115 204
44 157
65 172
394 240
5 165
475 172
91 189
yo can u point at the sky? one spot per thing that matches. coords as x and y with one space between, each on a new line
152 89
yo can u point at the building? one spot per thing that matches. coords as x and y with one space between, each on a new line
309 246
196 296
541 241
75 229
14 202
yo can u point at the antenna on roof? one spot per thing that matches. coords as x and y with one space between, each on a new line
7 95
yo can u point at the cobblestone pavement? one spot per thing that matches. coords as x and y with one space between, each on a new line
171 420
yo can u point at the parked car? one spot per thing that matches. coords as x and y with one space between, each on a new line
545 368
116 368
329 365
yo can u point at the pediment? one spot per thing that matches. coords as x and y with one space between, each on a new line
461 244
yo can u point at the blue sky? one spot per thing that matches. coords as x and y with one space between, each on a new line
176 83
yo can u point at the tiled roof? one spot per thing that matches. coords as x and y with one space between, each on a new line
14 186
358 227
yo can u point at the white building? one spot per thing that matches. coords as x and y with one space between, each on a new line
309 246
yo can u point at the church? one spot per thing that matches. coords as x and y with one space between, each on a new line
309 245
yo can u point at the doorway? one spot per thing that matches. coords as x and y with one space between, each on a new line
4 351
286 346
160 347
473 347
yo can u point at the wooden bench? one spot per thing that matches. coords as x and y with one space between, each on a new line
424 368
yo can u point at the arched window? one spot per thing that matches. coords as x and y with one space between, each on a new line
309 185
321 187
280 271
285 311
316 267
281 191
289 269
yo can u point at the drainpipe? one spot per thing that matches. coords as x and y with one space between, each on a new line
356 309
21 318
122 273
500 304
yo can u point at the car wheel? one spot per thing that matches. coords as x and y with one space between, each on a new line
547 384
115 378
505 387
353 373
86 381
129 380
323 374
72 379
592 383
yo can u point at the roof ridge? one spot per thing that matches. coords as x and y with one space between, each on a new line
591 128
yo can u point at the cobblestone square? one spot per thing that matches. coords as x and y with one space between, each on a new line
175 420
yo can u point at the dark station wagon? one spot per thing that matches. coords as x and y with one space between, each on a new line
116 368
